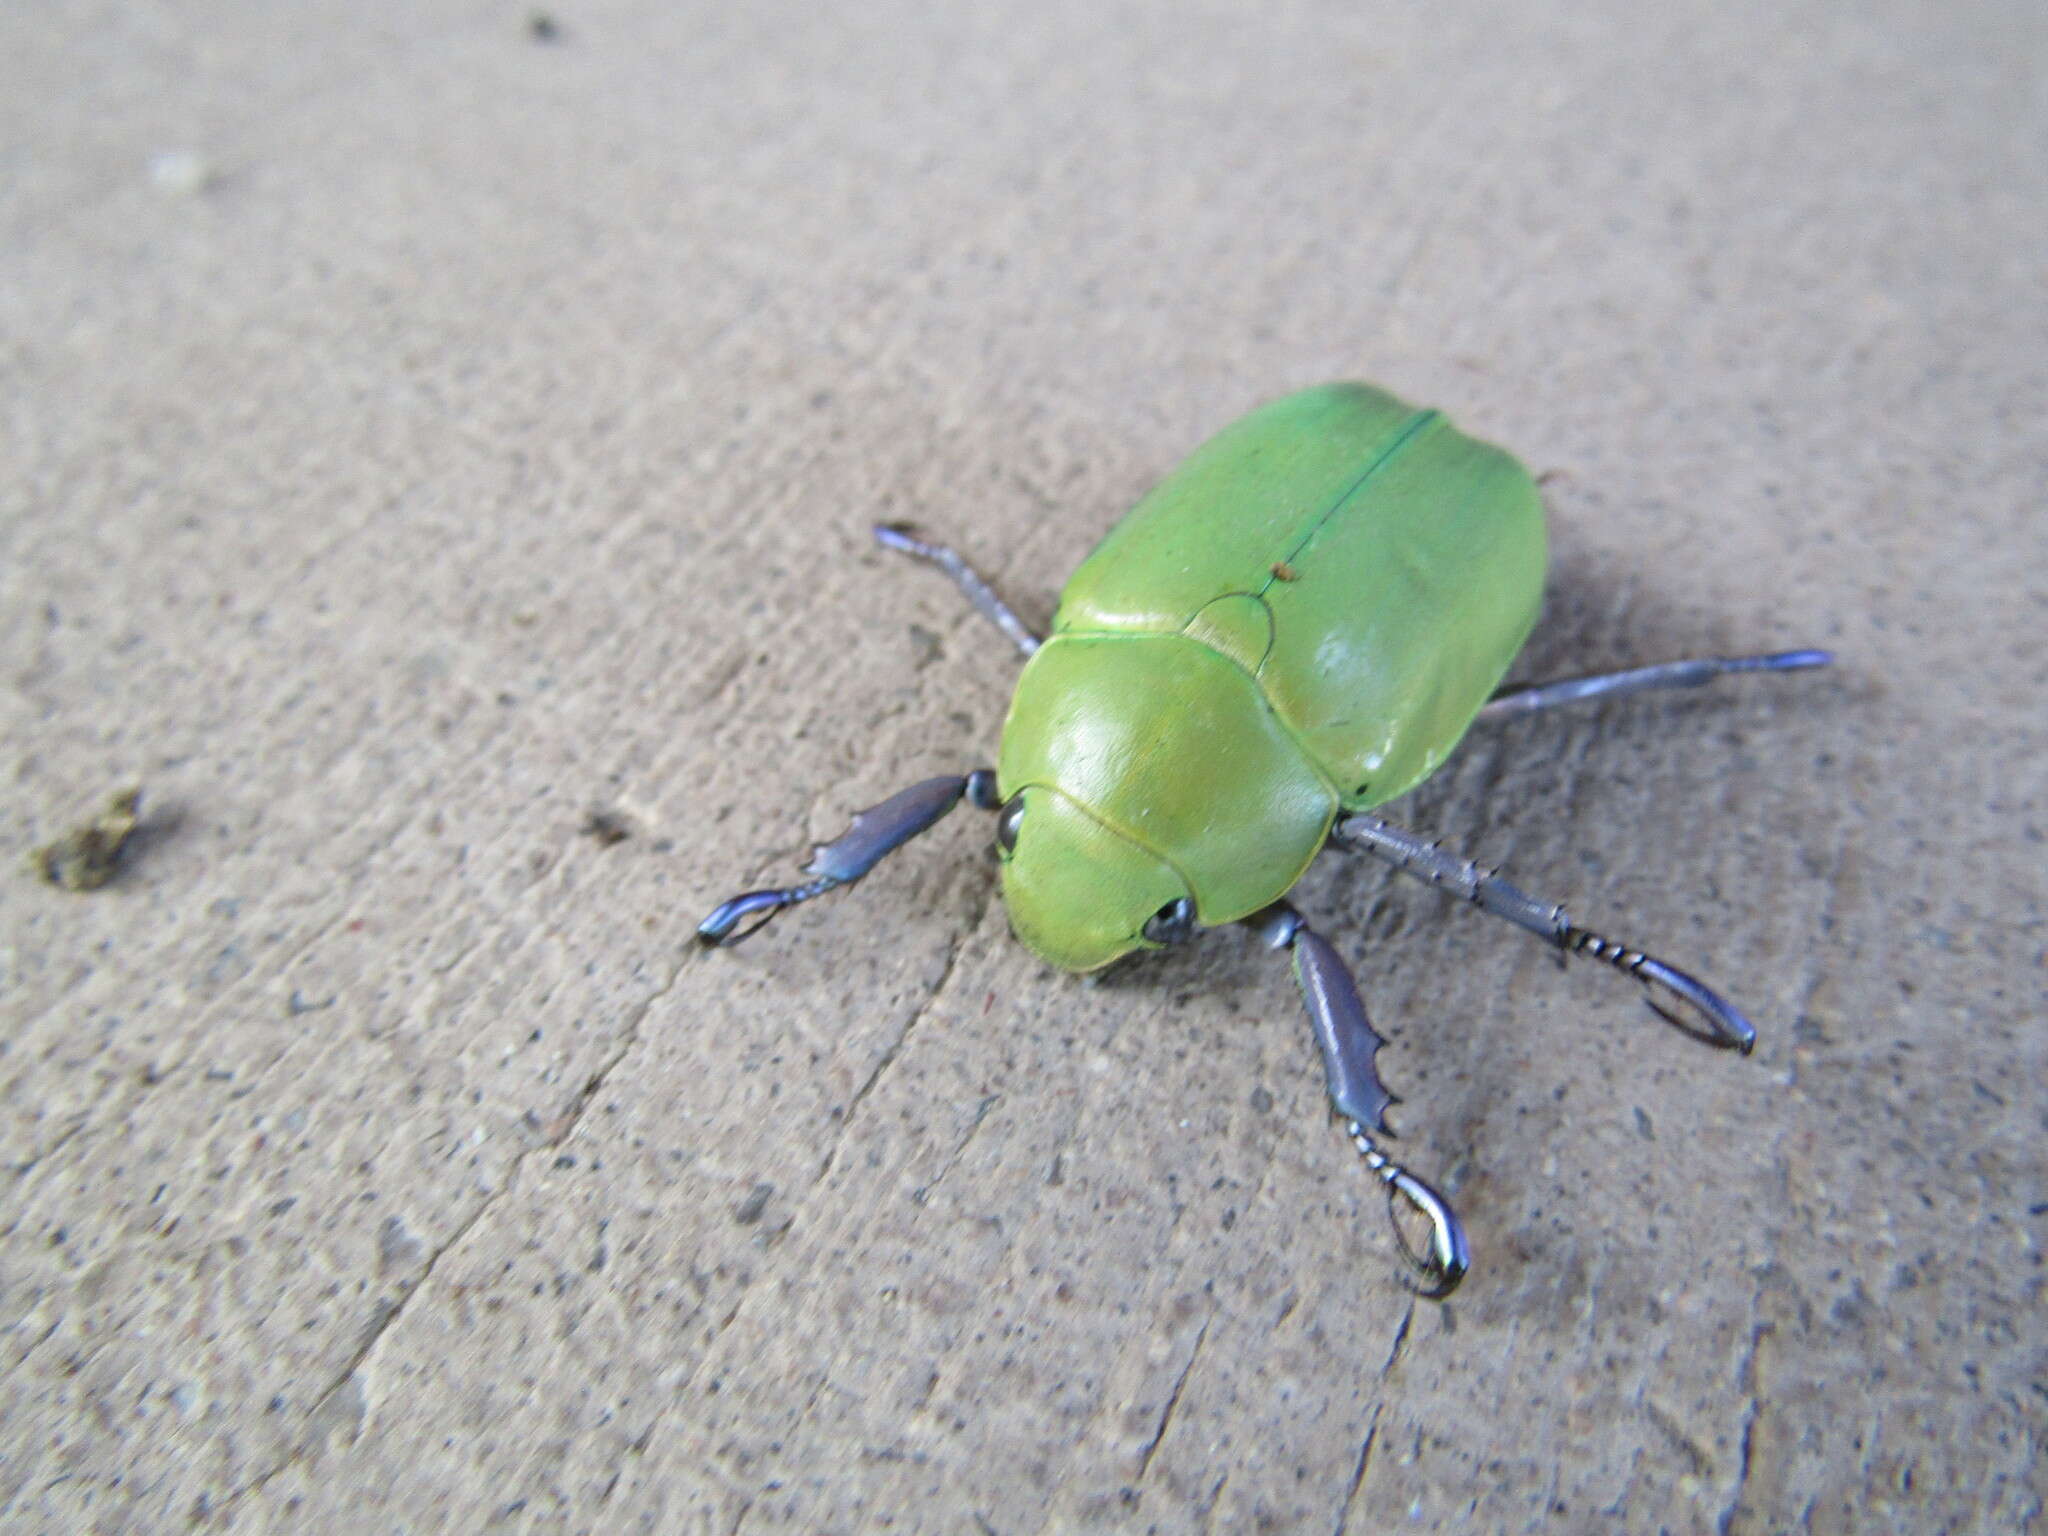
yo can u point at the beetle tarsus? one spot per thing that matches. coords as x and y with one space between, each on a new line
1432 1272
718 930
1685 1003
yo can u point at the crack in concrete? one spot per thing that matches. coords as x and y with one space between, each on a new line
1372 1424
1746 1378
388 1313
1209 1504
1696 1458
725 1323
1823 925
860 1095
79 1122
385 1315
1267 1164
1372 1429
1173 1400
1748 1371
981 1110
232 1001
739 1523
1400 1339
895 1047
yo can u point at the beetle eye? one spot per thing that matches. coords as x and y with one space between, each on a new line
1006 823
1173 923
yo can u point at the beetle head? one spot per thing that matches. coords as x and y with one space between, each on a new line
1079 894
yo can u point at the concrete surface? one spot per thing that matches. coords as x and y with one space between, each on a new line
421 434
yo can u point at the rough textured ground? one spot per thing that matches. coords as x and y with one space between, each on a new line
421 433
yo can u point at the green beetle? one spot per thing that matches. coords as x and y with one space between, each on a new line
1297 625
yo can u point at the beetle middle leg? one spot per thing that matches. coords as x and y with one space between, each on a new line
1677 998
966 578
1668 674
1349 1044
876 833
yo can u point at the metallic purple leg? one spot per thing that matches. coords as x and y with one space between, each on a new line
965 577
1680 1000
1349 1044
1669 674
876 832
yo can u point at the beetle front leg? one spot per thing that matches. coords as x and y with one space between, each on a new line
1349 1044
1675 997
876 833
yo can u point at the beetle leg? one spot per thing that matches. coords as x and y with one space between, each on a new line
876 832
1349 1044
1677 998
965 577
1669 674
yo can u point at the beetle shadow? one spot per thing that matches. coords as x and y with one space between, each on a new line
1224 960
1588 625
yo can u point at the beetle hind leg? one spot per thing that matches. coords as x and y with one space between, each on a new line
1669 674
1349 1044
